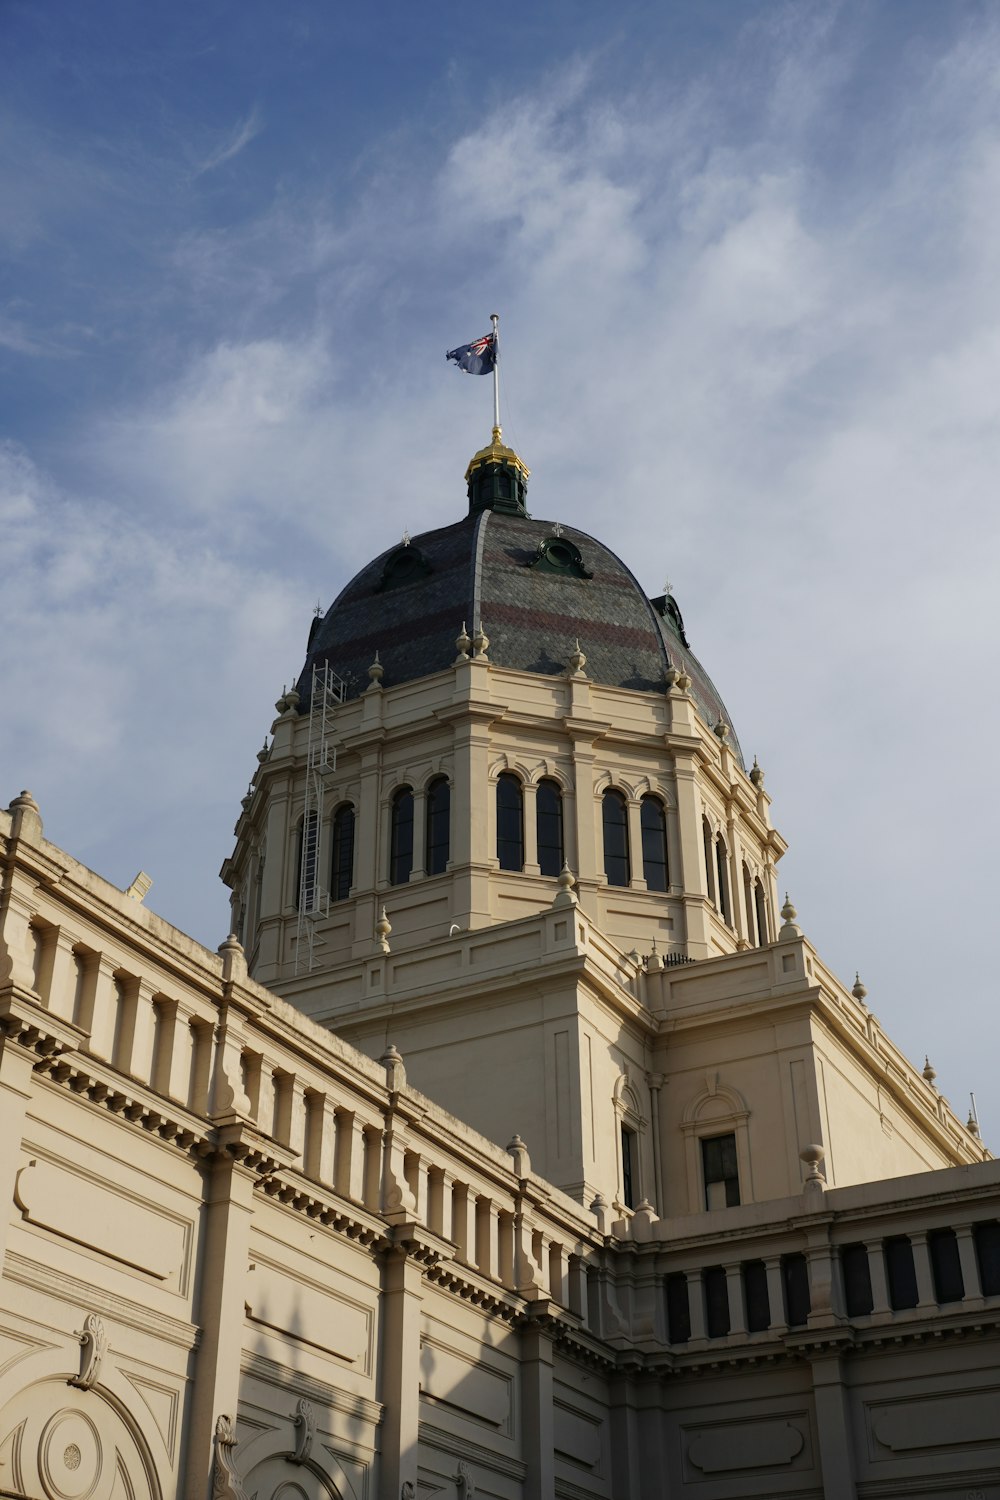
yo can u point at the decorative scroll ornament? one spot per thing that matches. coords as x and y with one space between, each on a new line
463 1483
304 1420
409 1490
226 1481
93 1347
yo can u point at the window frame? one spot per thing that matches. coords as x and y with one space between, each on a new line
505 780
613 796
398 854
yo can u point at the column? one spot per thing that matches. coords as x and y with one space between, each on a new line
833 1428
734 1289
15 1092
531 865
589 865
228 1213
634 814
926 1296
692 872
876 1270
775 1295
696 1303
399 1373
417 870
969 1264
655 1082
536 1413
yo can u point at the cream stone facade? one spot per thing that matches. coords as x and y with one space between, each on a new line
517 1143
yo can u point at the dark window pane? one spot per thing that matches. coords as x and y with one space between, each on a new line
678 1308
722 866
549 825
945 1265
438 827
748 905
795 1280
510 822
722 1177
987 1237
761 905
654 843
342 864
616 860
706 838
401 846
857 1280
629 1166
755 1294
716 1302
901 1275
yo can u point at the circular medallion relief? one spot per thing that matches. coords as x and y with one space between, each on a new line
70 1458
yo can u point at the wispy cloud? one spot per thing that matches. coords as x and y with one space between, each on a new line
244 132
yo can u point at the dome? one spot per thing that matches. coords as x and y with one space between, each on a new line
536 587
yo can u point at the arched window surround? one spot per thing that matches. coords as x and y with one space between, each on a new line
717 1110
437 825
401 830
616 849
631 1129
343 827
510 821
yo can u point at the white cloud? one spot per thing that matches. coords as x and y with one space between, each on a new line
767 377
239 138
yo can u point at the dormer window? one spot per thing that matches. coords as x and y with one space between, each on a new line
406 565
557 554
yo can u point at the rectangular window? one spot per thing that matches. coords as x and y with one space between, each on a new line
756 1295
678 1308
987 1239
629 1167
900 1274
857 1280
722 1178
946 1266
795 1281
716 1302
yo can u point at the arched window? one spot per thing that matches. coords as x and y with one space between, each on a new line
342 864
706 839
437 843
306 887
722 865
401 837
549 825
510 822
760 904
615 816
748 904
653 820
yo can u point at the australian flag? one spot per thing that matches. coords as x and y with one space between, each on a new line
477 358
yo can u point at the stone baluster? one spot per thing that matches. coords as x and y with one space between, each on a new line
876 1271
696 1303
969 1263
775 1295
734 1288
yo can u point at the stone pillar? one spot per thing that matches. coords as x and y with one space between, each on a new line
625 1476
696 1303
876 1271
15 1092
589 866
692 872
227 1216
370 848
922 1269
655 1082
531 865
637 881
833 1428
775 1295
734 1289
399 1374
536 1413
472 854
417 870
969 1264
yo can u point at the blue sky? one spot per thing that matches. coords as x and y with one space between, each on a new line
746 260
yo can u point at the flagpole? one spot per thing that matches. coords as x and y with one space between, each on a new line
495 320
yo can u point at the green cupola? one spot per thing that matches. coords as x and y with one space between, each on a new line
497 479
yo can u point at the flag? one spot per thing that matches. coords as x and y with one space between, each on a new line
477 358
